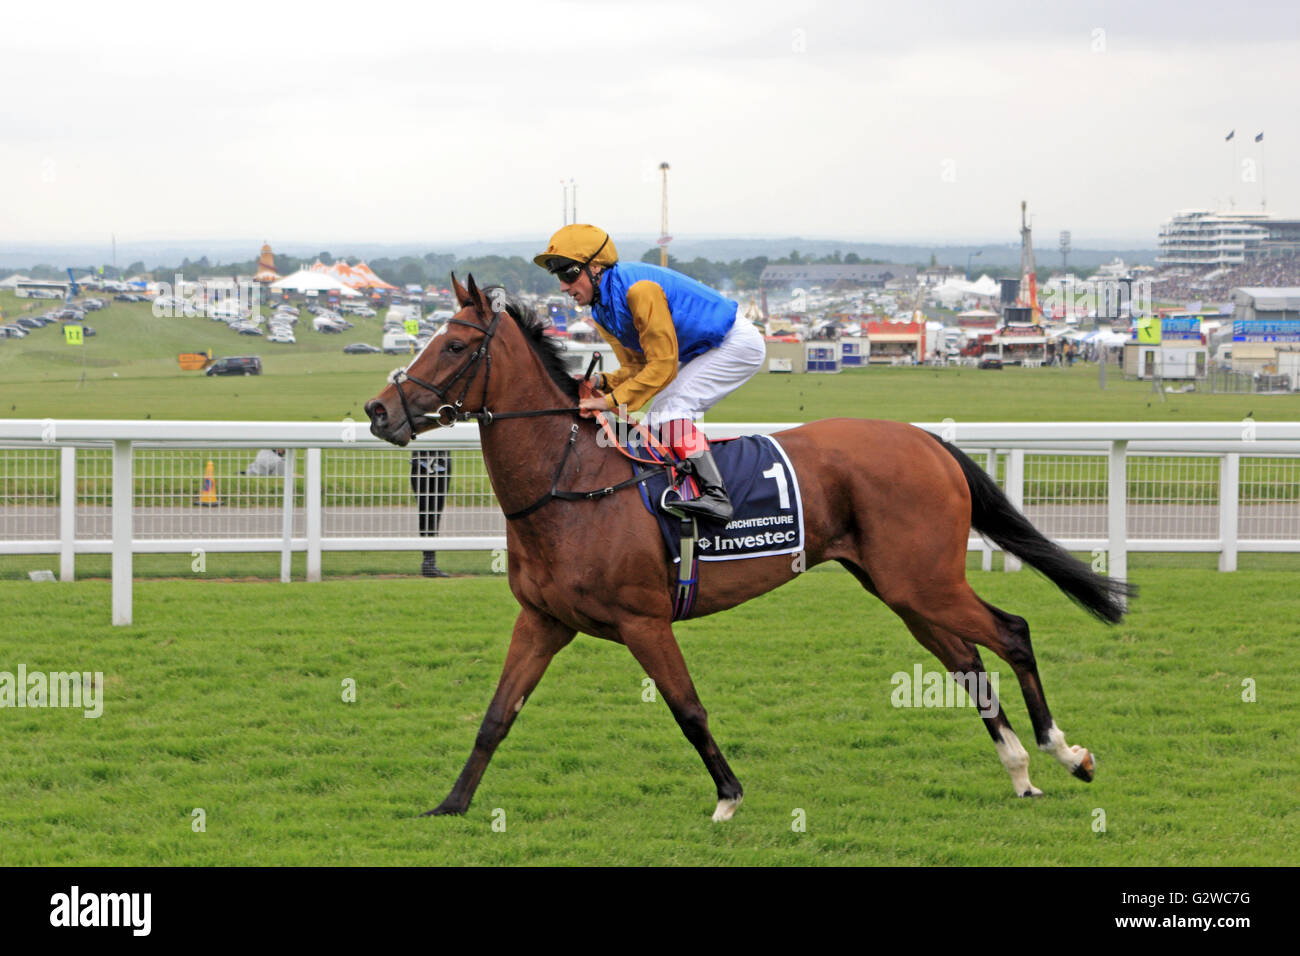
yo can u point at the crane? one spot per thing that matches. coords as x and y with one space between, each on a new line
1028 272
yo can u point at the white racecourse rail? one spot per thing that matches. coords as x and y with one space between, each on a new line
71 487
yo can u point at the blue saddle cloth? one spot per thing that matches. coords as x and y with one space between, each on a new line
764 491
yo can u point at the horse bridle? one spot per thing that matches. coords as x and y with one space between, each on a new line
486 417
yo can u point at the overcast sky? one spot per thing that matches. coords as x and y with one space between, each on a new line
388 122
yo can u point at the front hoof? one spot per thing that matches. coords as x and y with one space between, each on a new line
1031 792
445 809
726 808
1085 769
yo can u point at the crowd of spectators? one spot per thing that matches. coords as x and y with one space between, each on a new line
1214 286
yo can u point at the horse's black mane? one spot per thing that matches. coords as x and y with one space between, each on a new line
548 348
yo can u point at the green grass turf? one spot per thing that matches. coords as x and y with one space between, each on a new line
40 377
227 697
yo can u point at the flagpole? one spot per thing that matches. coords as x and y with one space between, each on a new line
1232 172
1263 182
1232 203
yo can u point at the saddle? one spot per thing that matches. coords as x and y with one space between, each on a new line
764 491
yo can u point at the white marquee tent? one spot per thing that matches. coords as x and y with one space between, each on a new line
304 280
955 291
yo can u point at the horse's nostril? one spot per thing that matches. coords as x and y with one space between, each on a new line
376 411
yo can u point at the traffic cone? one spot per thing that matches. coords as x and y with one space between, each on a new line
208 490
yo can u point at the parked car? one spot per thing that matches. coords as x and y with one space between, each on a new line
13 331
29 322
282 338
990 361
87 331
236 365
249 330
360 348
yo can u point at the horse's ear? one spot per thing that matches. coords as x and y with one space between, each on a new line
462 295
475 297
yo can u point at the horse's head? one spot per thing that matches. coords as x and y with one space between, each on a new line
447 376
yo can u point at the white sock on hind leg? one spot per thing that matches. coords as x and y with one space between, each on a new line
1016 759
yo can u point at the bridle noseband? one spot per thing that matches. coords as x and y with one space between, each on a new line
449 413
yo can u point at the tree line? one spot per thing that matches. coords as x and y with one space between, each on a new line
514 272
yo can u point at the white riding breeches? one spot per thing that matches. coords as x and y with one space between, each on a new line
705 380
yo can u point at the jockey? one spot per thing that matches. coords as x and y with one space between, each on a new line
677 341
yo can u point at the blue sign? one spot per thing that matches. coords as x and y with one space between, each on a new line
1261 330
1181 325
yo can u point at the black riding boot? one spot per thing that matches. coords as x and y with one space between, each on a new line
429 566
713 502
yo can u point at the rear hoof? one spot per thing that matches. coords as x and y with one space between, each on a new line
1031 792
1085 769
726 808
444 810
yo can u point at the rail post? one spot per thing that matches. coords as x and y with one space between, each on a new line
123 529
1117 512
68 513
1016 495
312 490
1229 505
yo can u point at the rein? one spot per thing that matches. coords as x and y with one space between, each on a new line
450 413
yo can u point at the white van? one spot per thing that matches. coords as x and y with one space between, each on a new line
395 342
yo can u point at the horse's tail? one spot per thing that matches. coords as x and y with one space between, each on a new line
993 514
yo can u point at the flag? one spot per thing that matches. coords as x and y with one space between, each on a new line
1259 138
1230 135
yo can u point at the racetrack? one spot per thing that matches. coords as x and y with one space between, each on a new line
227 697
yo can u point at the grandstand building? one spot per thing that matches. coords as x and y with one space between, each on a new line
1199 238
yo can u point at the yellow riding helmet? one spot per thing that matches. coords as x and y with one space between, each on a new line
580 243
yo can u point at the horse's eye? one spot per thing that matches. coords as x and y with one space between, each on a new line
455 346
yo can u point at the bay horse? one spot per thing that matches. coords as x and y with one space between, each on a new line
890 502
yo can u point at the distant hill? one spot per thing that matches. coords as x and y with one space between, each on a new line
16 256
